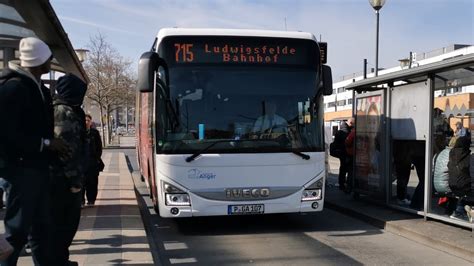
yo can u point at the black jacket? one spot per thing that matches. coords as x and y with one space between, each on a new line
340 138
458 167
27 118
95 151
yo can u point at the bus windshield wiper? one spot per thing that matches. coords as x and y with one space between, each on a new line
196 154
302 155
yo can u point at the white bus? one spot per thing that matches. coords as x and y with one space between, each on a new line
231 122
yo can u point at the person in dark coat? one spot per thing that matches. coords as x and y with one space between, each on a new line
340 141
94 162
349 142
459 175
405 154
67 173
28 143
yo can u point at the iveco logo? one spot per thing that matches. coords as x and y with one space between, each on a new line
247 192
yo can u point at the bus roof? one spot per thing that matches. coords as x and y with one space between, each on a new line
165 32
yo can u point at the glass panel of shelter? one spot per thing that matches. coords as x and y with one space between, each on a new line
410 102
453 161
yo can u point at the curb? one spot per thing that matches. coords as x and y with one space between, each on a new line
142 206
406 233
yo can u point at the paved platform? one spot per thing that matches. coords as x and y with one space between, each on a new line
112 232
445 237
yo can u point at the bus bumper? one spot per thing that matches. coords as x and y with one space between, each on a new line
206 207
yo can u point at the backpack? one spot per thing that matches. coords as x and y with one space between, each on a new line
338 147
440 173
334 150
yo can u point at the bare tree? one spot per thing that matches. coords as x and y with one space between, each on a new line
110 78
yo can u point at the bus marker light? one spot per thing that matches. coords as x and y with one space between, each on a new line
174 211
311 194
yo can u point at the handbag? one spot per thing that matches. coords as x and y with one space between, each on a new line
100 165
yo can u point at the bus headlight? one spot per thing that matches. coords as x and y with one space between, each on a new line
175 196
177 199
311 194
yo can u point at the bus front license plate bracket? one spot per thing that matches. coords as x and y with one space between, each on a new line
245 209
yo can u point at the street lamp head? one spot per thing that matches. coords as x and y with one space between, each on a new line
81 54
404 62
377 4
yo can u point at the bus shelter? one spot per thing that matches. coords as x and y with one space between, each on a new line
407 125
20 19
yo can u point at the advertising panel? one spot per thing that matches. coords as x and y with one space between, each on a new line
368 159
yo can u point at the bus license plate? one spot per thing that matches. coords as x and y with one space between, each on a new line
246 209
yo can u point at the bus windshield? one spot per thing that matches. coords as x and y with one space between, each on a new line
278 109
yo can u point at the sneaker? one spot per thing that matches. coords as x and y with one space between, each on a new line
470 213
72 263
90 204
404 202
459 216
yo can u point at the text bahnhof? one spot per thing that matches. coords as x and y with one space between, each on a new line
242 54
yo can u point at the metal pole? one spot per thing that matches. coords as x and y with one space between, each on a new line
377 45
365 68
428 149
126 117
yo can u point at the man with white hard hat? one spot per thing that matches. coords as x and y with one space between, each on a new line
27 143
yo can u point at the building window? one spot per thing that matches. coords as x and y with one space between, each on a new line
349 101
457 89
334 91
341 103
342 89
331 104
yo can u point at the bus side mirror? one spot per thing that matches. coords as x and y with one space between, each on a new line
327 80
147 67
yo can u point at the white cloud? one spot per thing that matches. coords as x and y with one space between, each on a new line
94 25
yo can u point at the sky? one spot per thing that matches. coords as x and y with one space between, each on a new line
348 26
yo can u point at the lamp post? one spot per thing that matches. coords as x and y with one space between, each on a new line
377 5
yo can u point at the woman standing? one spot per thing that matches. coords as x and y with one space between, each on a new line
94 164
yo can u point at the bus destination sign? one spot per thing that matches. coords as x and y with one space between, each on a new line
240 51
